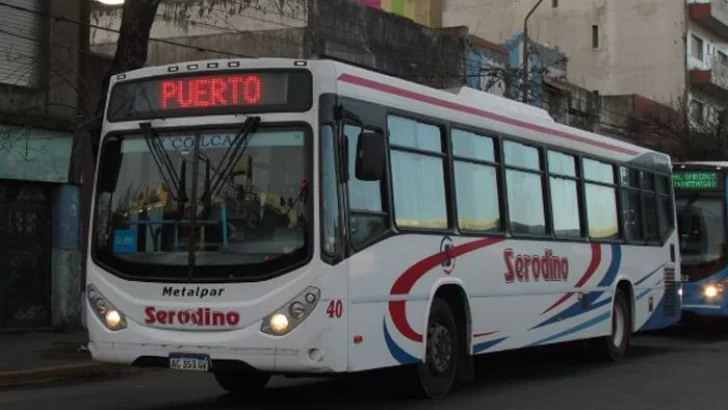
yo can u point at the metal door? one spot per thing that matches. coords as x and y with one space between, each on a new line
25 254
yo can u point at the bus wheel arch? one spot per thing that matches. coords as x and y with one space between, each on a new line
614 346
456 297
626 287
448 308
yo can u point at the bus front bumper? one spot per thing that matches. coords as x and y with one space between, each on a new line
312 348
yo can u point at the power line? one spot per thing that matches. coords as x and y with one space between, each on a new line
443 75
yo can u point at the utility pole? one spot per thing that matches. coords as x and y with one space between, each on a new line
524 85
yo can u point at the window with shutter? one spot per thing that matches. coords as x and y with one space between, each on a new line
22 43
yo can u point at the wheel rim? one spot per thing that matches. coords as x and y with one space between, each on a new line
618 326
439 350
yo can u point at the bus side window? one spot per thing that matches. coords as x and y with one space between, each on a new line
418 174
524 186
601 199
664 206
563 182
650 200
631 204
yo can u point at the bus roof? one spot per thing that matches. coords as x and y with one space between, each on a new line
499 115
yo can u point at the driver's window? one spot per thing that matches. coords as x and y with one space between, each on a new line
368 218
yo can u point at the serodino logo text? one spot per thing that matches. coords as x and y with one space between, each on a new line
527 268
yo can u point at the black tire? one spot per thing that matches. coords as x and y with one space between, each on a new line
434 378
242 383
606 348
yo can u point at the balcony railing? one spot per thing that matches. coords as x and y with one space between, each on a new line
712 78
711 14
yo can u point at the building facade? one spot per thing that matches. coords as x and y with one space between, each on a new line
615 47
41 91
707 61
338 29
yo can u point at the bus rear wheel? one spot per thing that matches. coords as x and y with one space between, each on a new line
436 376
242 383
613 347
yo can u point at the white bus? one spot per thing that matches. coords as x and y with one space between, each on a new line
286 217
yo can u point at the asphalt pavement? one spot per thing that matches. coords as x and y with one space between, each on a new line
678 369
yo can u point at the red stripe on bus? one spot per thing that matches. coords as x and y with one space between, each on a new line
389 89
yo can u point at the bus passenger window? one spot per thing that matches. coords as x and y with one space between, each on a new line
476 182
564 195
601 200
525 189
631 204
418 174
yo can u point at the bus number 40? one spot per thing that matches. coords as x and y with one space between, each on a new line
335 308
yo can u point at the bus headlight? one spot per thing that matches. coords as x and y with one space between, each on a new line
292 314
111 317
713 290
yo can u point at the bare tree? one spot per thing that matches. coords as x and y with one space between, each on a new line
685 135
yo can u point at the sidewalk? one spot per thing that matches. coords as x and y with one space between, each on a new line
39 357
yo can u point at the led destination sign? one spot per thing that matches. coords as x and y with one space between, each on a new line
210 94
695 180
219 91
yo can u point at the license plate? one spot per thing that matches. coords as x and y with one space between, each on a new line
189 362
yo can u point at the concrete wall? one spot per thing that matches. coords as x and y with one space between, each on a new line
641 48
389 43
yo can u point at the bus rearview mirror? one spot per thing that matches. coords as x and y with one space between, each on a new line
370 156
110 166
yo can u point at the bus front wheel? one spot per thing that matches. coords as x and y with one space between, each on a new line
242 383
435 377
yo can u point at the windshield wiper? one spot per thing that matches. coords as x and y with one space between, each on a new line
688 204
237 147
232 154
163 162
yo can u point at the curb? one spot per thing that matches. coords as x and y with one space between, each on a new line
66 372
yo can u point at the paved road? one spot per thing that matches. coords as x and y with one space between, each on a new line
674 370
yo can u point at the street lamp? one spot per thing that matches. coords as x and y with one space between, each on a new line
524 86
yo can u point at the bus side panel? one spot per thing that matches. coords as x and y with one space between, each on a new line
655 296
511 307
544 303
381 306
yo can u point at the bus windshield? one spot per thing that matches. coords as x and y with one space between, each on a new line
701 227
250 214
